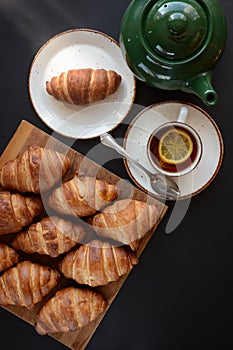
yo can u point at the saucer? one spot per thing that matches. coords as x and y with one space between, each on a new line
140 129
75 49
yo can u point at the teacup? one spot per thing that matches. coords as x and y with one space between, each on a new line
175 148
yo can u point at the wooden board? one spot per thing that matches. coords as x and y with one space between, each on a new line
25 135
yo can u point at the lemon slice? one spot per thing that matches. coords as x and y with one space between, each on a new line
175 146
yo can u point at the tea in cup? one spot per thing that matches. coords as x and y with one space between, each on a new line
175 148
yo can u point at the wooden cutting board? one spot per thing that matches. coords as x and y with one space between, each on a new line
27 134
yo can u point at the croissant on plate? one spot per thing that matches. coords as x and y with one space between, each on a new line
17 211
82 196
82 86
98 263
35 170
26 284
126 221
69 310
51 236
8 257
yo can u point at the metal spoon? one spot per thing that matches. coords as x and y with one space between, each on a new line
160 183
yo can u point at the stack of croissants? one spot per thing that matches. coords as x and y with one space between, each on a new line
118 224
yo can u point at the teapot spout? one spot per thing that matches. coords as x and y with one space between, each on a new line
201 86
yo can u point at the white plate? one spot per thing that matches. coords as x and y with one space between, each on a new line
138 133
74 49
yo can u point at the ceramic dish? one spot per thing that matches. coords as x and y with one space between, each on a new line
138 133
74 49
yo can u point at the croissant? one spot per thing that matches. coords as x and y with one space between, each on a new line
81 86
98 263
26 284
69 310
51 236
17 211
35 170
126 221
82 196
8 257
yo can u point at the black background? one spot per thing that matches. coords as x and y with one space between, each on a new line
180 294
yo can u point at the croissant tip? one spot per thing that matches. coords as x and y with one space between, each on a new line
48 87
38 329
14 244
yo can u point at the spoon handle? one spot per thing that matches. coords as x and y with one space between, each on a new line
107 140
161 185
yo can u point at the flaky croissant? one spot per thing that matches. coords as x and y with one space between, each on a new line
8 257
69 310
17 211
35 170
81 86
98 263
26 284
126 221
51 236
82 196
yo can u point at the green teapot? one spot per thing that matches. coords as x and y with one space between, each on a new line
174 45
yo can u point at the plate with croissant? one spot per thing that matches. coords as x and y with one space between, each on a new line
80 84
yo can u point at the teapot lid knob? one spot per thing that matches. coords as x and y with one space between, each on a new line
174 30
177 23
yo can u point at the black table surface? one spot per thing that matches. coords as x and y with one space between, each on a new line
181 293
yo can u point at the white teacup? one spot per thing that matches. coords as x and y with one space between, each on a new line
185 134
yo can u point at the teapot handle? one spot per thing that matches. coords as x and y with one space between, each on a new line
202 87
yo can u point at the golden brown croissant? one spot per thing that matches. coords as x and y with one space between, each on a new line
81 86
98 263
82 196
70 309
35 170
126 221
26 284
51 236
17 211
8 257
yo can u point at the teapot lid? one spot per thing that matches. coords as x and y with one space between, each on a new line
174 30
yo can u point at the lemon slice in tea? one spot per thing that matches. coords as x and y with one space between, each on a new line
175 146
